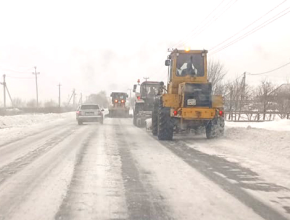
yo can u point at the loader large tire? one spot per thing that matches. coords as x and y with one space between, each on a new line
165 125
155 120
215 128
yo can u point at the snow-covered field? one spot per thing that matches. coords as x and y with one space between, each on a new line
277 125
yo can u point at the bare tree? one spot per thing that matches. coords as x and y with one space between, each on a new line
50 103
31 103
237 95
99 98
263 95
216 73
281 97
18 103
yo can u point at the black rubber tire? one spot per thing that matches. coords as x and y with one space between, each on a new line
165 125
135 116
134 120
80 122
215 128
136 111
155 120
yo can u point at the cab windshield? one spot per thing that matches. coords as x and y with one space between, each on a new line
190 64
118 96
149 90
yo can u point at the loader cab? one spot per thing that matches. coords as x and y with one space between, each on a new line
149 89
186 66
119 98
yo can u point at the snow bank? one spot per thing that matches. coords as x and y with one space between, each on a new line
30 119
19 126
264 147
277 125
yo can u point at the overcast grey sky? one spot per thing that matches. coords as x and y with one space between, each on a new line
108 45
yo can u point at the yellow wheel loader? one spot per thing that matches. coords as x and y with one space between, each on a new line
187 102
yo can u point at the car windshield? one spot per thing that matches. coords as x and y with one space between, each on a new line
84 107
190 64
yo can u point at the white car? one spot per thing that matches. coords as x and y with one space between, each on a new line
89 113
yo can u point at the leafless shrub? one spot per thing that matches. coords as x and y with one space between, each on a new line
216 73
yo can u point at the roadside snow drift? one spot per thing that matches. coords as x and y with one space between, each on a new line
19 126
30 119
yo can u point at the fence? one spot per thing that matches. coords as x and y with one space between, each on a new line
254 116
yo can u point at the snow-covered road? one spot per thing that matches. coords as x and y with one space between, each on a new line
59 170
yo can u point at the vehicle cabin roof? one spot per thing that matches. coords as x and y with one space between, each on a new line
118 93
89 104
151 82
188 51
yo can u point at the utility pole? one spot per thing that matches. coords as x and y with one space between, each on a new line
36 73
4 91
74 98
59 95
9 95
81 99
130 98
244 85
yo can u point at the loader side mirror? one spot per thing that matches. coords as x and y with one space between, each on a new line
167 62
134 88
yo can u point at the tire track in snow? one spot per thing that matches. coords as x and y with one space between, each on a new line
64 211
143 201
21 162
96 190
37 190
41 134
212 166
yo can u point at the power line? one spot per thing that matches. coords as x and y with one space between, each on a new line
213 19
247 26
202 21
253 74
269 21
15 71
206 23
19 77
